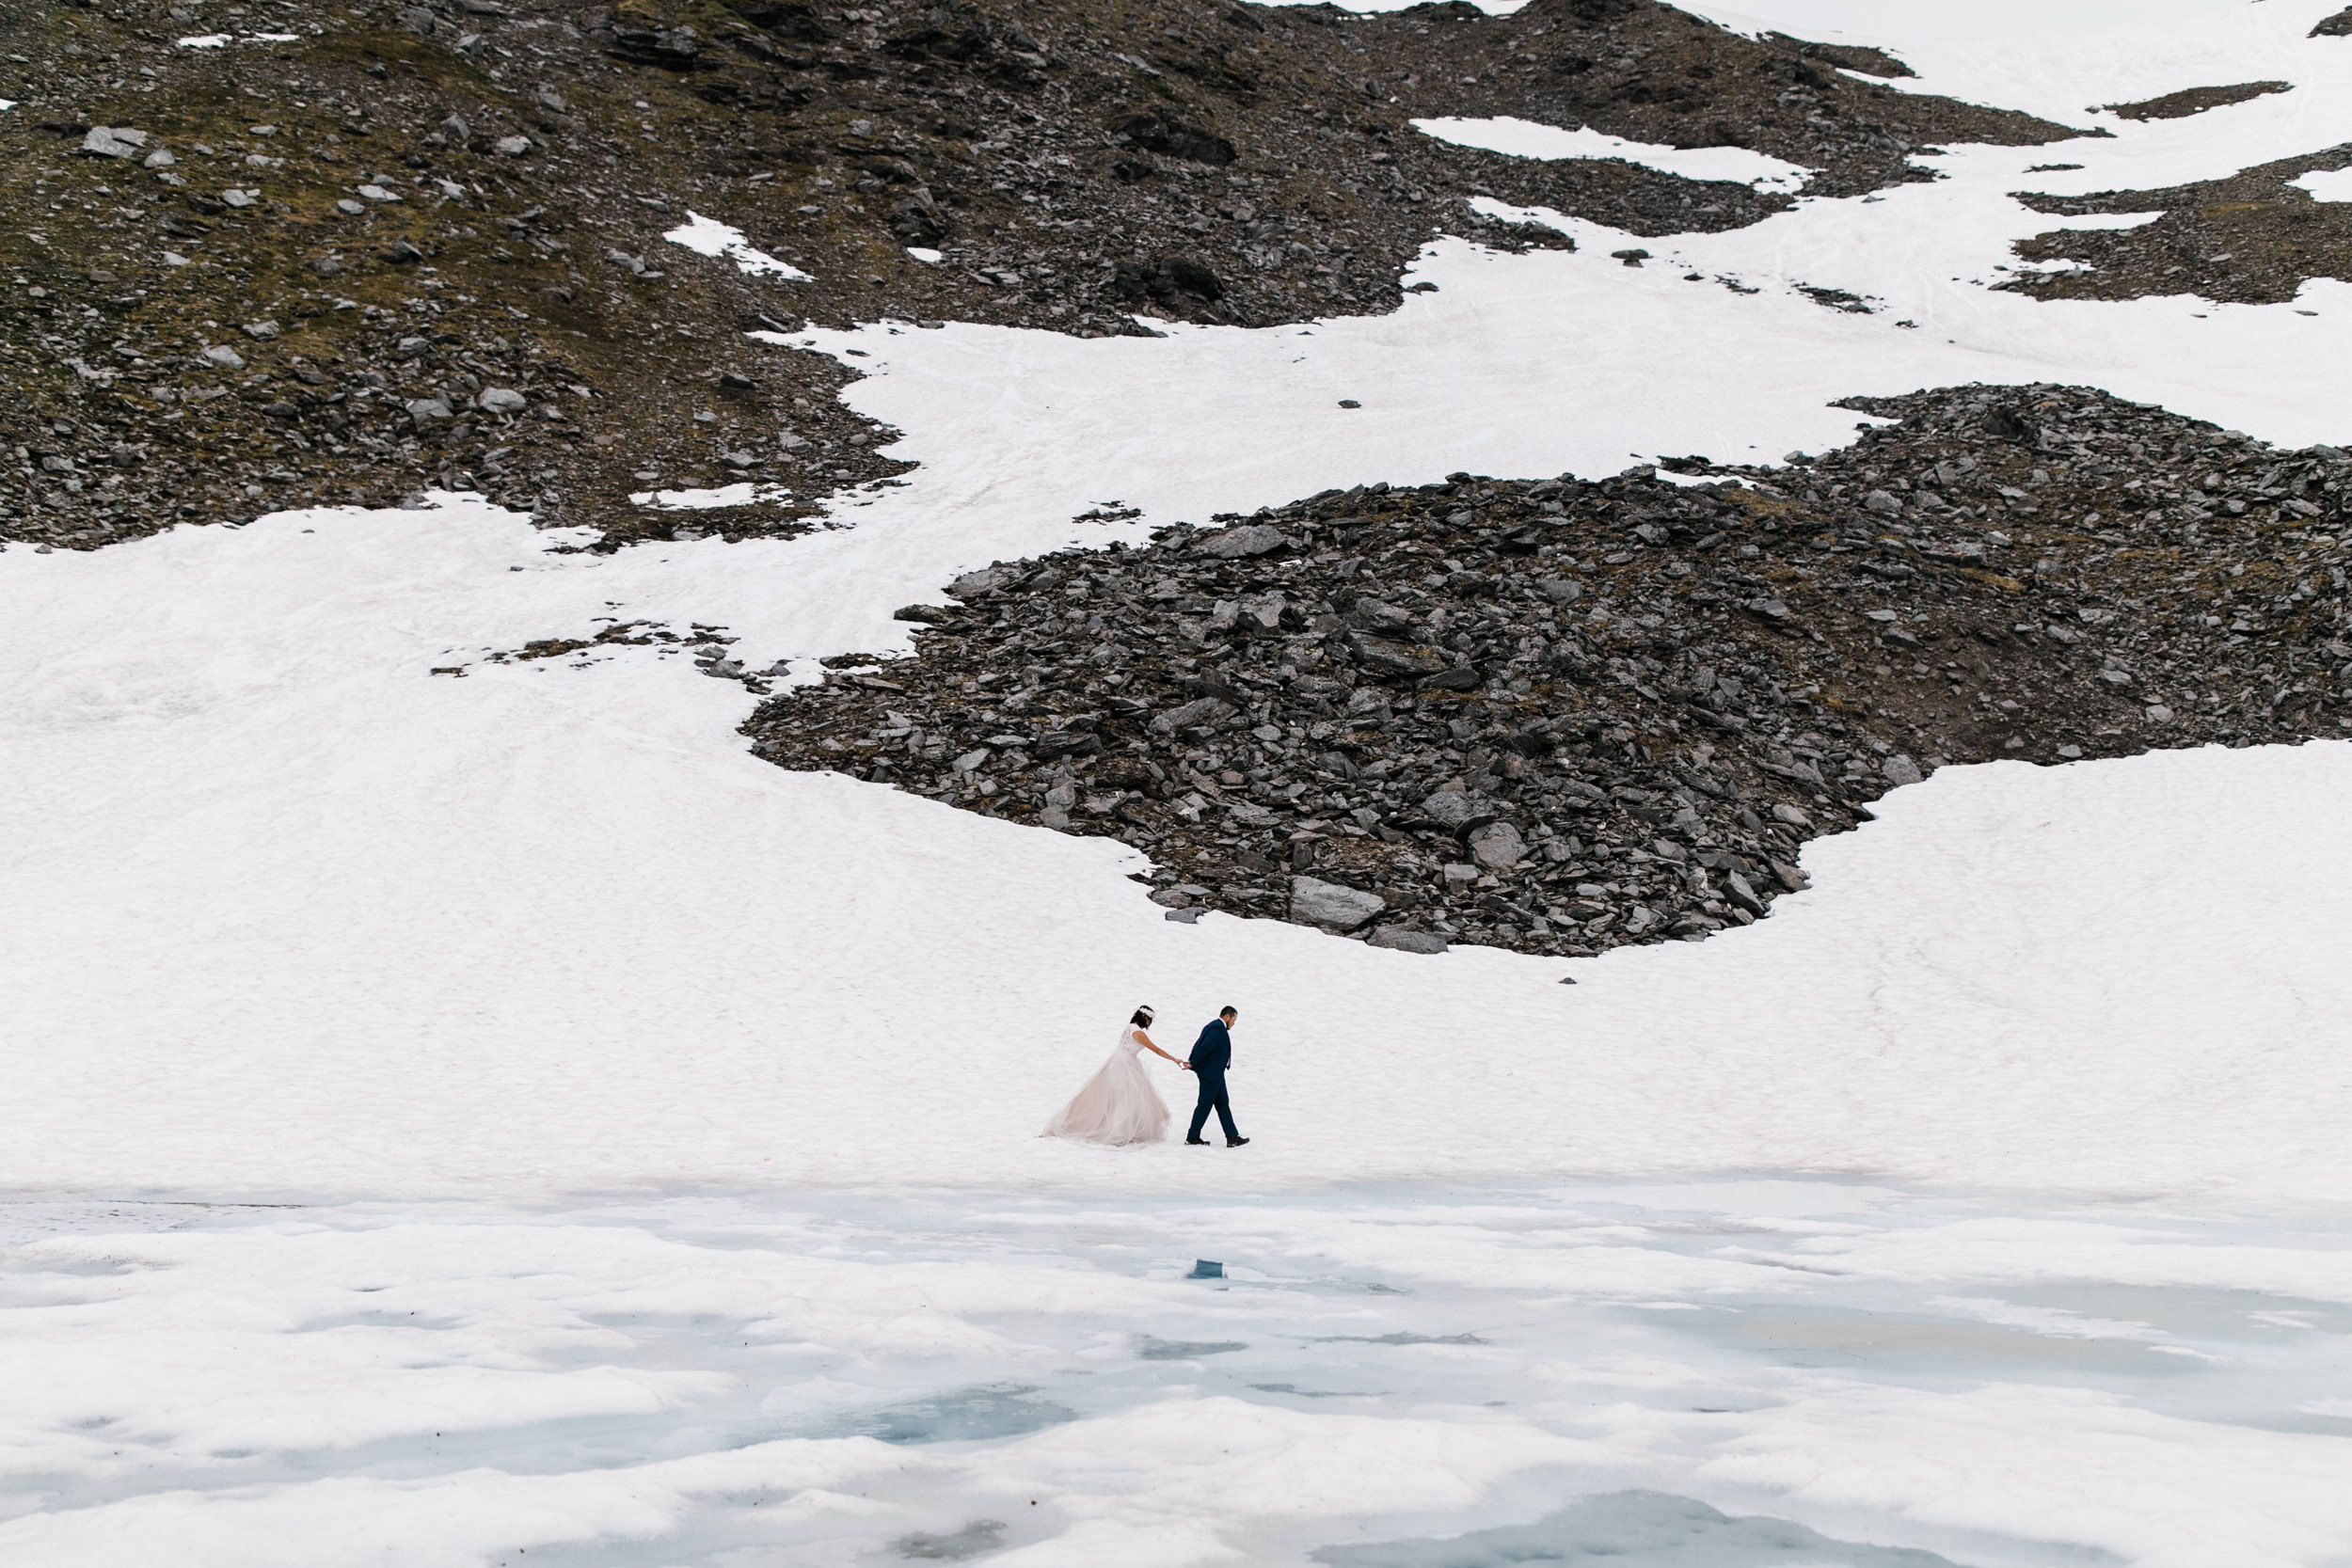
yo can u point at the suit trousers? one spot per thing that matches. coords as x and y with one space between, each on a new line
1211 1095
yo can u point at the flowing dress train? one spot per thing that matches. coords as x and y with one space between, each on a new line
1118 1105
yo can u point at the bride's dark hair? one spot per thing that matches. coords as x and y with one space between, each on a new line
1142 1019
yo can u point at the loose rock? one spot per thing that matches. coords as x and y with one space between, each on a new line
1642 760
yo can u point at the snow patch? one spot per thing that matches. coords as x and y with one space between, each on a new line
744 493
1492 7
710 237
2326 185
2110 222
1525 139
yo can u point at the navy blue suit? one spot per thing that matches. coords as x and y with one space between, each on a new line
1211 1053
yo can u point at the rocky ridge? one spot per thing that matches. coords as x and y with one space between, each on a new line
1559 716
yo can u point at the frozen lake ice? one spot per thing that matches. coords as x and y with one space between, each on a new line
1726 1372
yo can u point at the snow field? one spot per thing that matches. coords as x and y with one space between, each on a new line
2060 60
291 913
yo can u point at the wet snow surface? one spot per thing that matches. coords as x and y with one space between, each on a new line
462 1104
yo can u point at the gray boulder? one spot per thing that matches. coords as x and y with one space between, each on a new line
1400 940
1250 539
1901 769
981 582
1498 847
1462 677
1743 894
1205 711
110 141
1331 904
1258 613
1383 657
1459 810
1381 619
503 400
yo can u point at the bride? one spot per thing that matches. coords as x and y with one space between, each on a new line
1118 1105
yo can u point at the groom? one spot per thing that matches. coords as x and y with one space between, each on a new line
1211 1054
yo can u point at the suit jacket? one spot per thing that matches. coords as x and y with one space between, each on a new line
1214 1051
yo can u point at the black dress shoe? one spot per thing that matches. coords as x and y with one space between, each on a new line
1235 1143
1202 1142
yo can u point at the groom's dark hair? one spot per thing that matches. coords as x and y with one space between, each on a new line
1229 1012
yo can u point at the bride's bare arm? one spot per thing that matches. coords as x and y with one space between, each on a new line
1155 1050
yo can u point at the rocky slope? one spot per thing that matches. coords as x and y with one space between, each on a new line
271 254
2253 237
1559 716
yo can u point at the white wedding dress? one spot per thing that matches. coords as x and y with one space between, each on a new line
1118 1105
